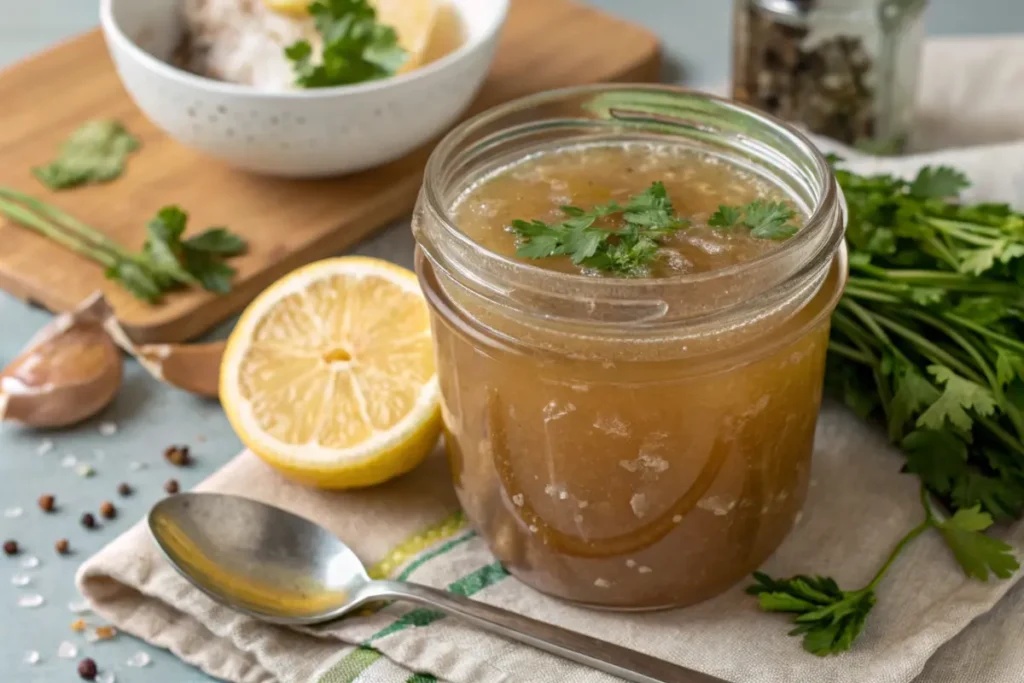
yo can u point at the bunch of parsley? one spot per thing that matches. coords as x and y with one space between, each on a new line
167 261
927 340
355 47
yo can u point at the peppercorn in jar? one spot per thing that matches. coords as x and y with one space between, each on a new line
846 69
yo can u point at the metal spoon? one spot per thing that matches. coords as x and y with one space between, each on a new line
284 569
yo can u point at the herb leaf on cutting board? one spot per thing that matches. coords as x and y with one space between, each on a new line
927 340
95 153
356 48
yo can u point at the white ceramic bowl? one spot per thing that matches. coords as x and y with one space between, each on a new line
306 133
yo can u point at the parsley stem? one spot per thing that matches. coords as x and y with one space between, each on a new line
928 348
34 222
944 251
66 221
984 331
850 353
928 523
952 228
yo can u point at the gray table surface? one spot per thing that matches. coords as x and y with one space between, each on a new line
149 416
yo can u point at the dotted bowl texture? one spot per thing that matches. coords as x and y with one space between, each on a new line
312 133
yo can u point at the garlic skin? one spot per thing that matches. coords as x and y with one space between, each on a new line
194 368
67 373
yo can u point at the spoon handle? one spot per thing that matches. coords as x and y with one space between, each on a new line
597 654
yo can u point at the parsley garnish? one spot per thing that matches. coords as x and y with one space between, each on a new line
830 619
766 220
355 47
647 219
95 153
166 261
927 339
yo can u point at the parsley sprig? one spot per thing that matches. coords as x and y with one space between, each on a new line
830 619
765 220
647 219
356 48
167 261
927 339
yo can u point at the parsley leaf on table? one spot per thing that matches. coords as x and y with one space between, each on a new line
628 251
829 619
766 220
95 153
978 554
355 47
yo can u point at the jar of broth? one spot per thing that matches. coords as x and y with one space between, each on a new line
631 439
846 69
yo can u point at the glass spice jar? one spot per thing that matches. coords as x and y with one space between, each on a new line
845 69
628 443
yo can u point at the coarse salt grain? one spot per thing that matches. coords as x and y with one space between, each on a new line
30 601
67 650
30 562
138 660
21 580
105 677
85 470
135 466
80 607
68 461
13 512
31 658
45 446
108 428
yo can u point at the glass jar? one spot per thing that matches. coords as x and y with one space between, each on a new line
846 69
630 443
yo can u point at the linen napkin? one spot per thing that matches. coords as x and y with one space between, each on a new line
411 528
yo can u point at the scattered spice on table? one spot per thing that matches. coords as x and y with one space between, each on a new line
47 503
124 490
10 548
87 669
62 546
88 521
78 625
107 510
171 486
179 456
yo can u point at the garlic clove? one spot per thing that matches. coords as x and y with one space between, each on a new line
192 367
69 371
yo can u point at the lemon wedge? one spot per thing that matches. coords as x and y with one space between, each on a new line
293 8
413 21
329 375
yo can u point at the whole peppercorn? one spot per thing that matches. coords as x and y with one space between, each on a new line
178 456
124 489
107 510
171 486
10 547
62 546
47 503
87 669
88 521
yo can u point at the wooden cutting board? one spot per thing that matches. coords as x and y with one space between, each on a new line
546 44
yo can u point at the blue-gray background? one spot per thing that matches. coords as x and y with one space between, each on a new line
696 36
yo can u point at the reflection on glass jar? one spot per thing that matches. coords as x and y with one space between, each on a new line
629 442
846 69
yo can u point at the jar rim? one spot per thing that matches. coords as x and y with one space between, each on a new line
434 196
628 106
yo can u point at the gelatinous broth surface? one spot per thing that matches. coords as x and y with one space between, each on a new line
585 176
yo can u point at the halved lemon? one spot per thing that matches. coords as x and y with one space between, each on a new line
329 375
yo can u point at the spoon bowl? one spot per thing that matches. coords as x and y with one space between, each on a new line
284 569
266 562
